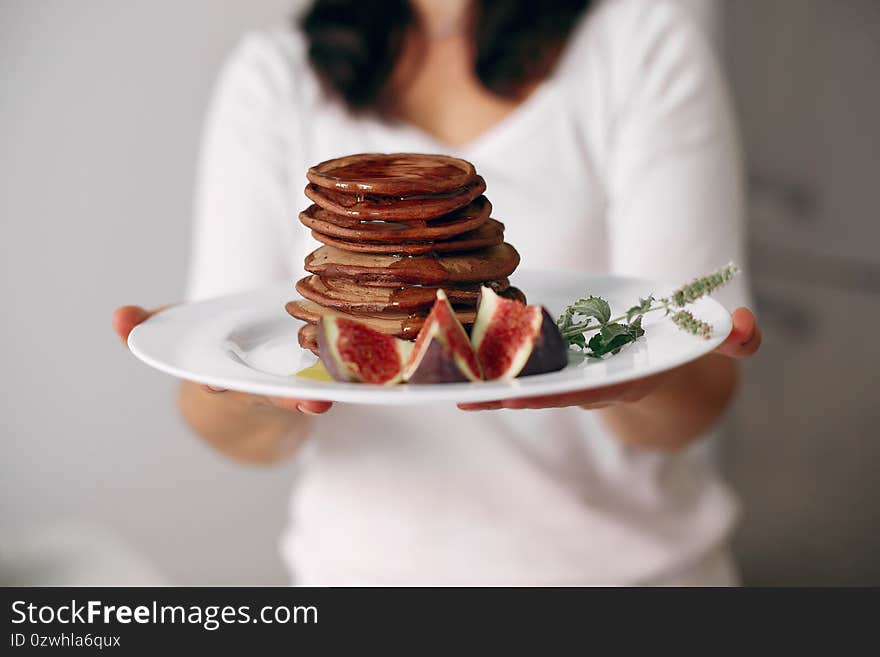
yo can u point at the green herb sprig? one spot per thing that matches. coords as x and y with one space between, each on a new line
611 334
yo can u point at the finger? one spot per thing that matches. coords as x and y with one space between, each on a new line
307 406
314 406
745 335
522 403
589 399
127 317
579 398
481 406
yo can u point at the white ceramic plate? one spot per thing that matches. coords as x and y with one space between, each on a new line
248 342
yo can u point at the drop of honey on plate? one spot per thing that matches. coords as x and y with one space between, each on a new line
316 372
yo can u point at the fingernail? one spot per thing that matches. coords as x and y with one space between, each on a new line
302 409
214 389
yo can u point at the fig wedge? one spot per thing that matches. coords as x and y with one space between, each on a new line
352 351
442 352
512 339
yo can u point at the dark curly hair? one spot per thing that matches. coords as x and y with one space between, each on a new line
353 45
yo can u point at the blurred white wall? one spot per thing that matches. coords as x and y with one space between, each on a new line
802 447
100 107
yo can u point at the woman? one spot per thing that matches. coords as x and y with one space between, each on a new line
607 143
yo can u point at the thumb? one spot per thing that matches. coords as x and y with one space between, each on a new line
127 317
307 406
745 335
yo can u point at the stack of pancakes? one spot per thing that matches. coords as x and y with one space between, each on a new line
394 229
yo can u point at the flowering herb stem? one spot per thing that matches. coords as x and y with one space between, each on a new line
593 315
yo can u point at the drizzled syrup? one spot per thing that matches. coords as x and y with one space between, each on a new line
419 207
393 174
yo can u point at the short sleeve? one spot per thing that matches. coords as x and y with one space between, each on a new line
674 179
241 236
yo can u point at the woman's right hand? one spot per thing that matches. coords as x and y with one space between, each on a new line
126 318
244 427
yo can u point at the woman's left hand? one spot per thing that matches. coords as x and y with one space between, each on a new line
742 342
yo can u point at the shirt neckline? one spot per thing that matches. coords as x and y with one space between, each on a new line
496 133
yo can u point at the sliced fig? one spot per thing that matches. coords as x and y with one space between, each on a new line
442 352
549 352
512 339
352 351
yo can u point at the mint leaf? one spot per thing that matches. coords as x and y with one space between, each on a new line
643 306
635 327
595 307
613 337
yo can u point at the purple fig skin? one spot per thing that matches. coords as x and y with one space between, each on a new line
549 353
437 366
336 370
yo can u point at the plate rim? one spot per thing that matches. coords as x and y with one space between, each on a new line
358 393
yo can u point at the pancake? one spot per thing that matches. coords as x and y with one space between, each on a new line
339 294
488 234
394 174
461 221
308 338
401 325
498 285
419 207
484 265
388 283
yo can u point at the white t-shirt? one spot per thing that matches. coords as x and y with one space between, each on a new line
624 161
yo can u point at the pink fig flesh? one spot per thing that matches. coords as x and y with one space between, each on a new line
352 351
